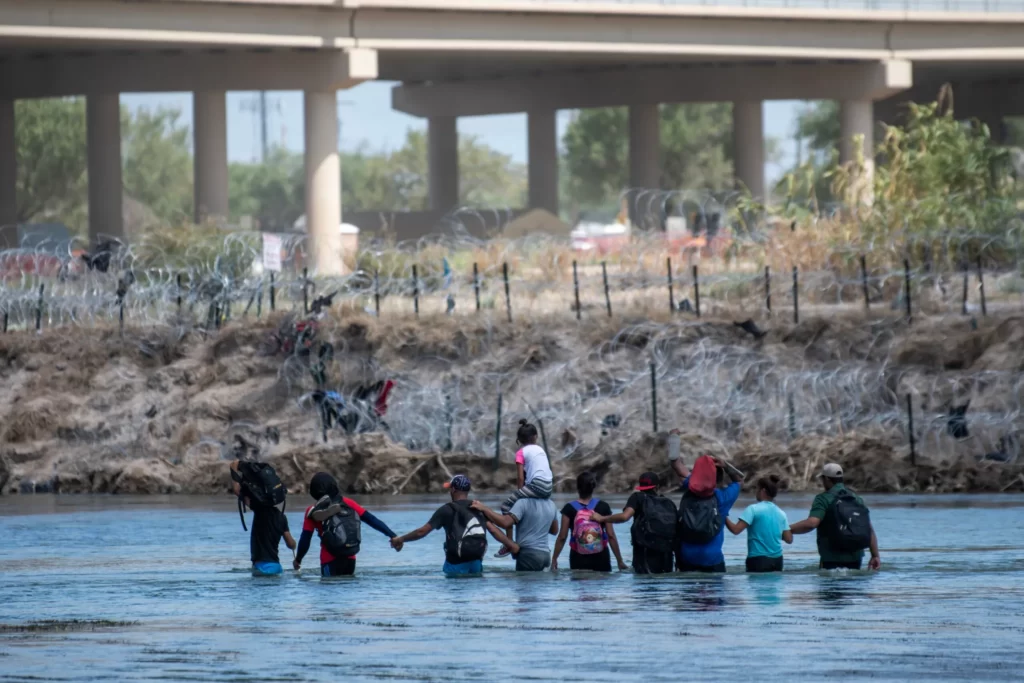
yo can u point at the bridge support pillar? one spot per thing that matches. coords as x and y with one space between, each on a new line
323 183
644 146
542 149
103 152
209 116
748 147
443 162
857 119
8 177
644 156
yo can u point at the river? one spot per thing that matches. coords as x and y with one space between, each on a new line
162 591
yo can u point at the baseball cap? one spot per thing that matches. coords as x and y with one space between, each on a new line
460 482
832 471
648 482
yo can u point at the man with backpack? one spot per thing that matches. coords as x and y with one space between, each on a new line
654 526
258 487
338 521
702 513
843 523
534 520
465 538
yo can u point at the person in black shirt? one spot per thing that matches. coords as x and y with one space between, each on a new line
269 525
447 517
646 560
595 561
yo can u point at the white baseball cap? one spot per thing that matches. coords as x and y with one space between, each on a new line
832 471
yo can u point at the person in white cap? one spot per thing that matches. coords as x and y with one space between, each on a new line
843 523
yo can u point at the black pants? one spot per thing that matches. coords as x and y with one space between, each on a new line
647 561
840 565
713 569
341 566
601 562
763 565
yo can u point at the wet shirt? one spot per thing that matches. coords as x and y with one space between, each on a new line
709 554
310 525
820 510
268 526
443 518
599 561
533 522
765 524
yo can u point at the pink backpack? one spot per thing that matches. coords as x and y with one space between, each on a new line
588 537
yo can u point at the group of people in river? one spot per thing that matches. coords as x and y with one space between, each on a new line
666 537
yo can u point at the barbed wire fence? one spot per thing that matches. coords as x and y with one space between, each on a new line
659 295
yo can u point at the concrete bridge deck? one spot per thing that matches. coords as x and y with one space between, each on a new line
471 57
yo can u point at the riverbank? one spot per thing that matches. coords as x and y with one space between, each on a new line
158 410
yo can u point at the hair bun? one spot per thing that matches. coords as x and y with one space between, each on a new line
523 422
774 479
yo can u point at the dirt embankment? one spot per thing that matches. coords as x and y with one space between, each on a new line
157 411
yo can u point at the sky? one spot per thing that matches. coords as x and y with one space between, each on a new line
367 119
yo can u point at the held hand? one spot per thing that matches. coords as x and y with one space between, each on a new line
875 563
397 544
296 565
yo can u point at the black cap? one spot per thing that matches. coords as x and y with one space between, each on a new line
649 481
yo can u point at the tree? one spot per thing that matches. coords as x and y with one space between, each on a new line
488 178
696 151
818 124
157 161
50 151
50 140
376 181
273 192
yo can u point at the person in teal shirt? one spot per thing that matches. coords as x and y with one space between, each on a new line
766 526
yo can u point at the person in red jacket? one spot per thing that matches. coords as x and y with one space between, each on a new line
322 485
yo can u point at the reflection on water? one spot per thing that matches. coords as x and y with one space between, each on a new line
947 605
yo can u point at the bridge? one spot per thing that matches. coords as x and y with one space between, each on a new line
471 57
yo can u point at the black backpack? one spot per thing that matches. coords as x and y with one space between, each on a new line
657 530
848 524
467 537
260 484
341 531
699 518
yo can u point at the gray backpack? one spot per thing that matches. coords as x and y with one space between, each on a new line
342 529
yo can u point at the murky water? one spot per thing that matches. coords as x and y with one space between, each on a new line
948 604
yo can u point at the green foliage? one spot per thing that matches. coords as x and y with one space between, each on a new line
384 181
696 151
938 175
488 178
51 155
184 247
818 124
272 192
50 143
939 188
157 154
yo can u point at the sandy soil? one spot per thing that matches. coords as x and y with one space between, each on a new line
156 410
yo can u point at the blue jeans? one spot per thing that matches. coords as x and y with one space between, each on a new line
267 569
474 567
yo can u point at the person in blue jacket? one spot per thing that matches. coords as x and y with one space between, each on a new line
702 483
